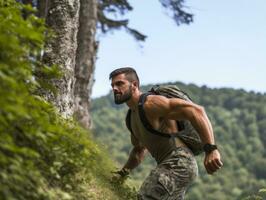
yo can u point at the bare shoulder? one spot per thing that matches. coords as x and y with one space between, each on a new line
155 101
156 104
172 108
159 101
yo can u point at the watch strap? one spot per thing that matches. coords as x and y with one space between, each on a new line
208 148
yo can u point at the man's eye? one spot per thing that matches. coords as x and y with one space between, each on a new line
119 83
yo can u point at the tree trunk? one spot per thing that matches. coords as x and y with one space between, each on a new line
63 18
85 60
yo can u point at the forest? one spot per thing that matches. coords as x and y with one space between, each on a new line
52 146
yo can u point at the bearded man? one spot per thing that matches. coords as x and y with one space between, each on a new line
176 165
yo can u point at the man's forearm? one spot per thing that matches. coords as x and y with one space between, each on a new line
136 155
203 126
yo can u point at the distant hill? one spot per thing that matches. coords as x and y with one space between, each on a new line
239 121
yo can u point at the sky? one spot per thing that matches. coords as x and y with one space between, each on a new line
225 46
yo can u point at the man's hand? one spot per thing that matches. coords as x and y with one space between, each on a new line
120 176
212 161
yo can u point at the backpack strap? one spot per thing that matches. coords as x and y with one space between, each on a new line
145 121
128 120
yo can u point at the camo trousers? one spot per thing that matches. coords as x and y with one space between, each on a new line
170 179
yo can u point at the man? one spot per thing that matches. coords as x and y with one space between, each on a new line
176 165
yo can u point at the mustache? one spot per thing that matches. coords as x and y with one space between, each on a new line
115 93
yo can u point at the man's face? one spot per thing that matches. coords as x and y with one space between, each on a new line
122 89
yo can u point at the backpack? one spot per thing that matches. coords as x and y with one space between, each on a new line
187 132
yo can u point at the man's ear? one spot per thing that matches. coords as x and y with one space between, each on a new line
135 84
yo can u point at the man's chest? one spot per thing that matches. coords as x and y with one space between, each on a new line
159 124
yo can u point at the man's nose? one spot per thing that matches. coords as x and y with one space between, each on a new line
115 89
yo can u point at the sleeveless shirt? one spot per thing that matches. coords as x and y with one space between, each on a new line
158 146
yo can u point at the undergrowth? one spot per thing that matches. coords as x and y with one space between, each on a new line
42 155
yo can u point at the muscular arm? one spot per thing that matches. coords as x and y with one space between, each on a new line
198 118
136 155
178 109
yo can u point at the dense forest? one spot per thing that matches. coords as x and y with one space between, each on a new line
239 121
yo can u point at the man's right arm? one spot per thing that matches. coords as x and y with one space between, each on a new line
136 156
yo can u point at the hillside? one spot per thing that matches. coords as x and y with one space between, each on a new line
46 157
239 121
42 155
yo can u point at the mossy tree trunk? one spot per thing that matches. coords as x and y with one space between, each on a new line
74 50
63 18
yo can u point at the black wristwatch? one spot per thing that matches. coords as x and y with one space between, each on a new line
124 172
208 148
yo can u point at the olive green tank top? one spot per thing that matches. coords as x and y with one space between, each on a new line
158 146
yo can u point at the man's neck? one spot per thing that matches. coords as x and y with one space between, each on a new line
133 102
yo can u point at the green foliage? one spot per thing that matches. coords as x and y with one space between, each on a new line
180 15
42 155
238 118
110 13
116 8
261 195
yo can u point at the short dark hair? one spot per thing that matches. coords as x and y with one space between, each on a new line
130 73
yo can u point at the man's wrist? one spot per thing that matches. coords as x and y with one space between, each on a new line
208 148
124 172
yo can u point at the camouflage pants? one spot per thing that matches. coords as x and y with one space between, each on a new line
170 179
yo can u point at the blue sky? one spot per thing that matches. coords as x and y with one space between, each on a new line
225 46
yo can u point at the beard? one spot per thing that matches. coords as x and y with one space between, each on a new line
122 98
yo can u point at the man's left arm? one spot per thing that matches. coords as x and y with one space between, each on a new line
179 109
